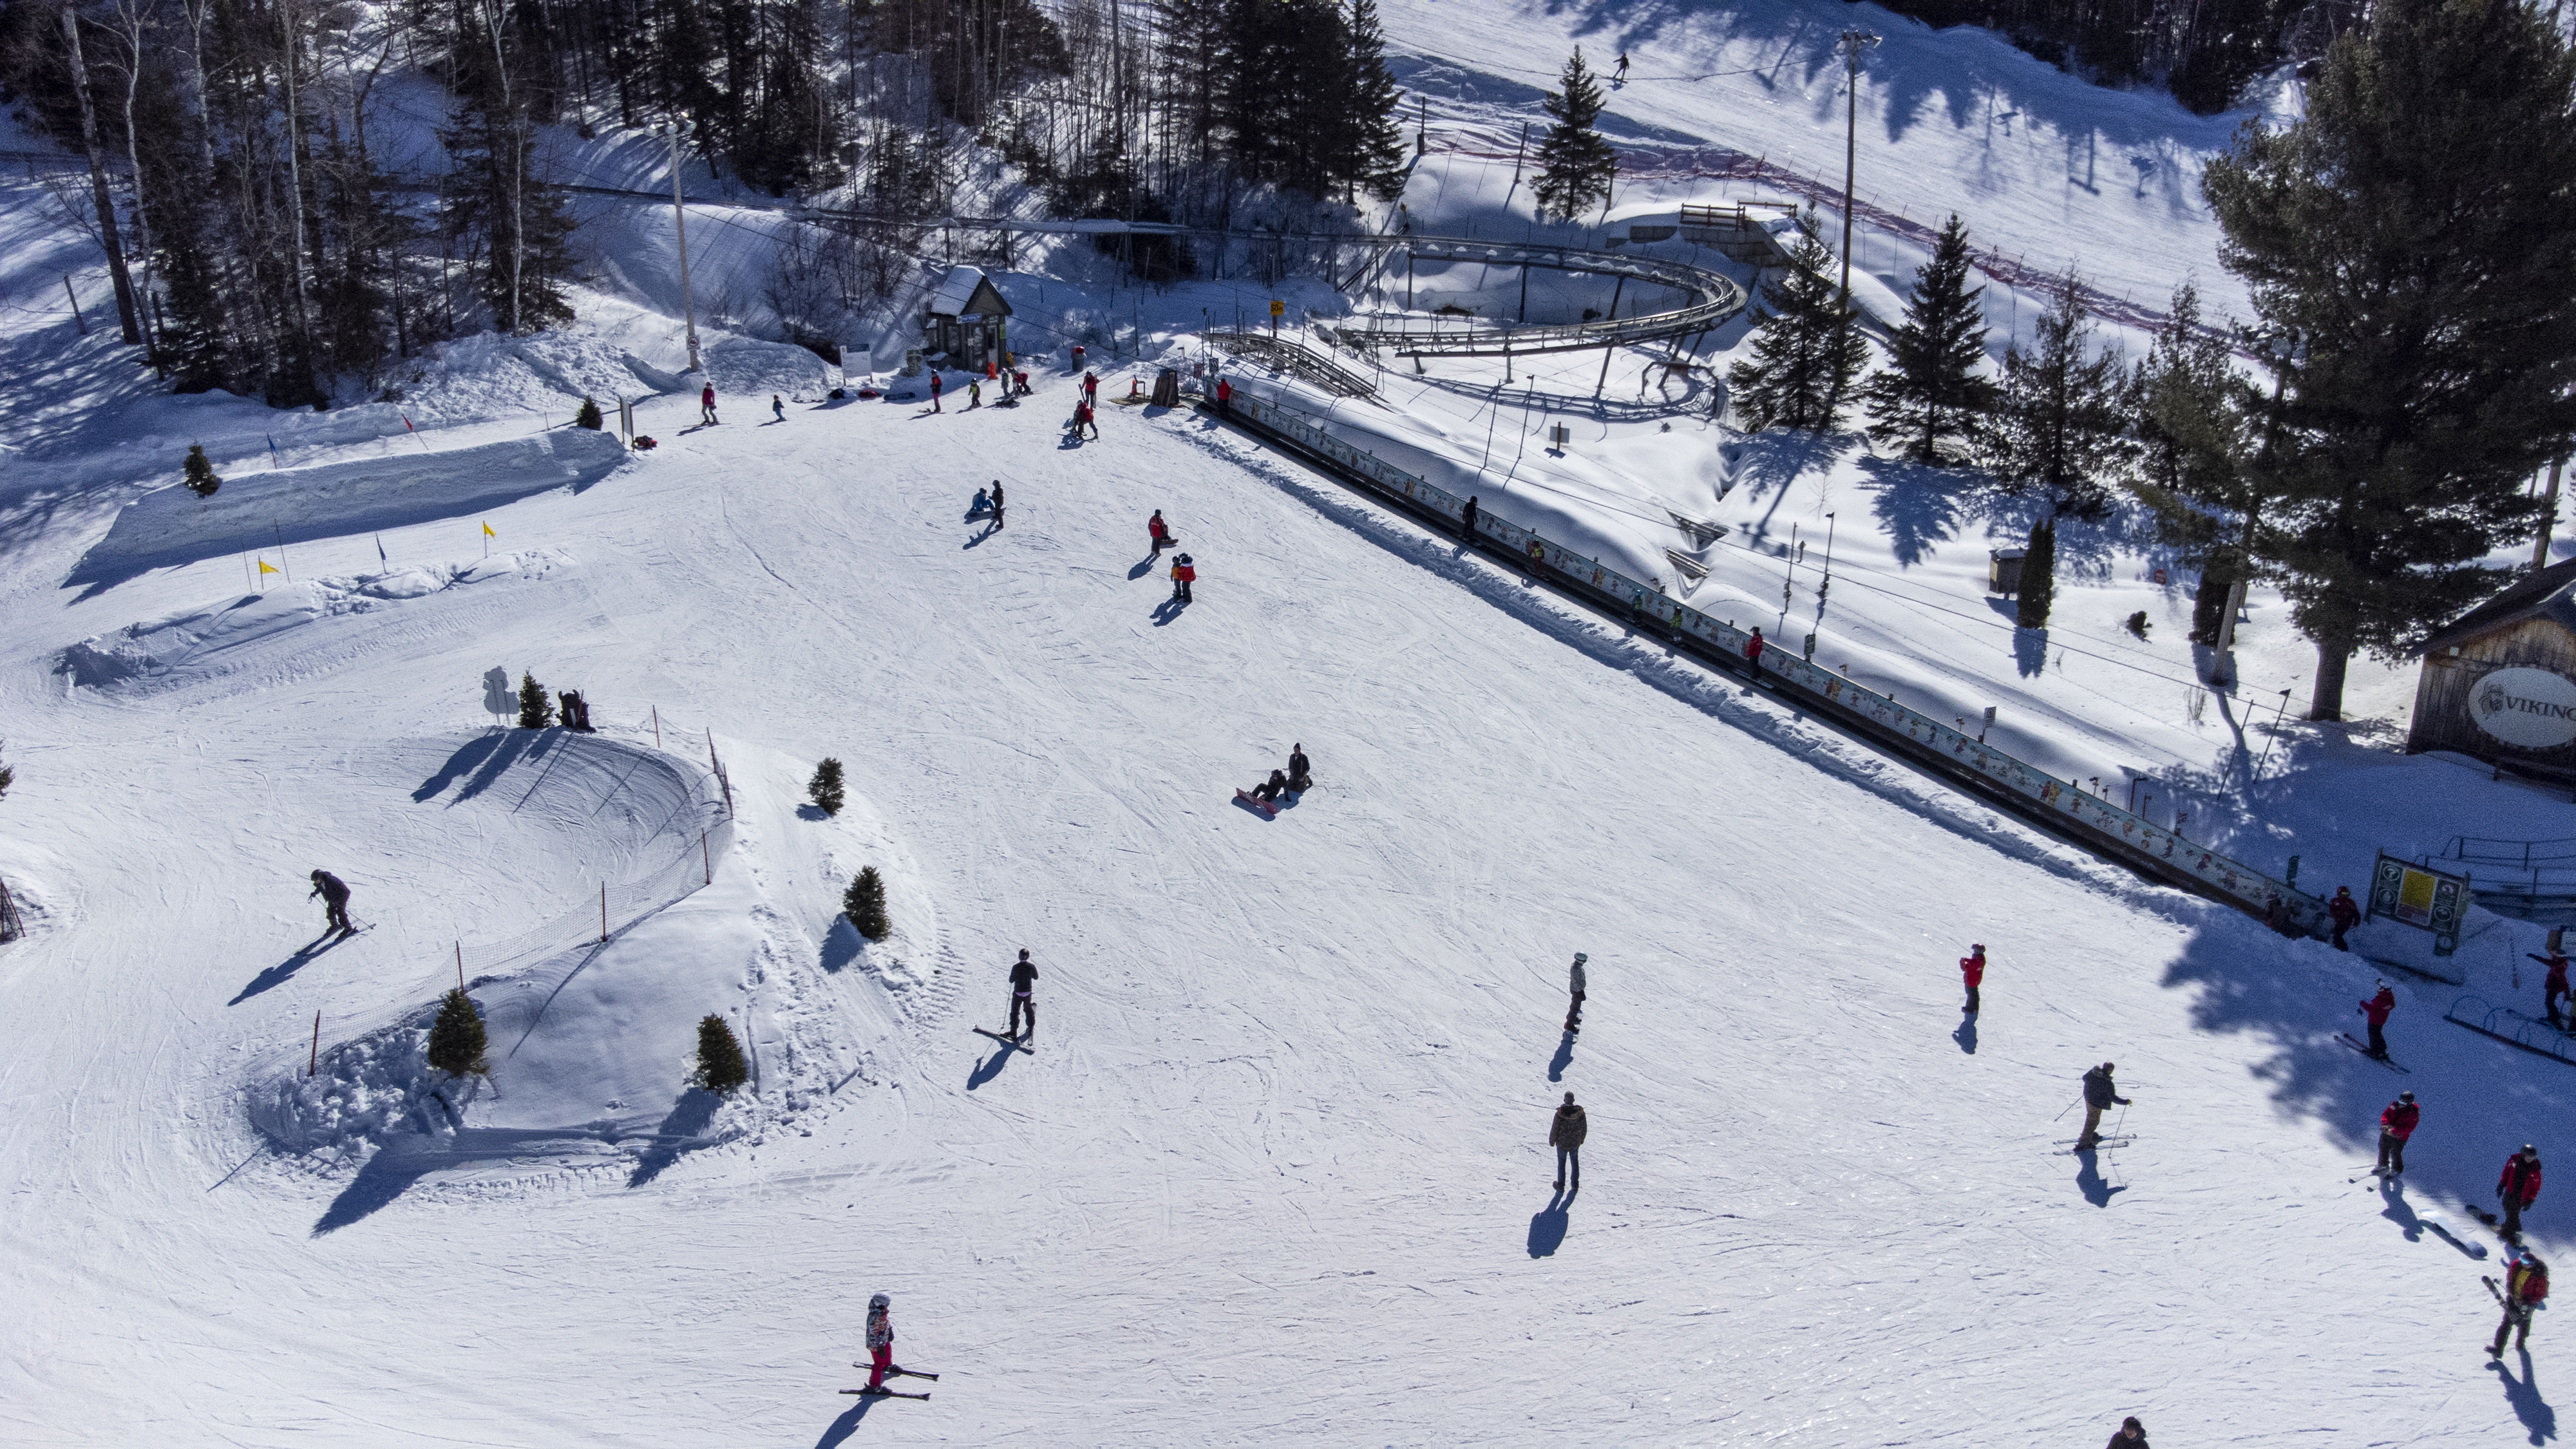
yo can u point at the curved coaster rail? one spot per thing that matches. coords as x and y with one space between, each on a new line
1714 299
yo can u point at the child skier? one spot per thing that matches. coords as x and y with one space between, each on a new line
880 1343
1184 574
777 409
1972 968
2526 1287
2375 1010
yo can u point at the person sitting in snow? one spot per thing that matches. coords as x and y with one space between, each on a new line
983 503
1269 791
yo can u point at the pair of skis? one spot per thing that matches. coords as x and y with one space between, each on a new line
2389 1062
893 1393
1010 1041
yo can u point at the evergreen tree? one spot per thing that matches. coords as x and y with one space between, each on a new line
589 416
721 1066
201 473
536 708
1806 352
1932 390
2038 576
1576 166
456 1038
2062 425
864 904
825 788
2198 425
1373 157
2407 242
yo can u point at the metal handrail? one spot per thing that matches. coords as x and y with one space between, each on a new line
2473 850
1715 298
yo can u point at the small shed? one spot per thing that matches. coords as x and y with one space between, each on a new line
2499 682
967 319
2003 570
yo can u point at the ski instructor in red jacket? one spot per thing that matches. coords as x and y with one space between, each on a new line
2518 1185
2396 1124
1972 969
2375 1011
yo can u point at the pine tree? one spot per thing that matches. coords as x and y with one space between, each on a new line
2062 425
2198 427
721 1066
2406 240
825 788
1576 166
1806 352
536 708
864 904
1932 390
456 1038
2038 576
589 416
201 473
1373 158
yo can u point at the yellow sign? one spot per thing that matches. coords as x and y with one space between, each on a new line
1278 308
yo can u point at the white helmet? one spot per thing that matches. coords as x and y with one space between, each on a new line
880 1301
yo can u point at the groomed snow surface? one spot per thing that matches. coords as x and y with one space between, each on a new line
1276 1171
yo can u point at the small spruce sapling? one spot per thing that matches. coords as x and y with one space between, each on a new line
536 710
864 904
201 473
2138 623
825 788
721 1067
589 416
456 1038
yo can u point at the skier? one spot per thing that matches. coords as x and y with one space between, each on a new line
1566 1134
707 406
1271 789
1622 77
2100 1094
880 1343
1753 648
1091 388
2396 1124
934 390
1024 976
1574 1008
1972 969
2526 1287
997 503
335 903
1467 524
1084 417
1301 773
2517 1186
2554 988
777 409
1184 574
1020 382
1224 398
2375 1011
1158 532
2132 1435
2345 912
974 394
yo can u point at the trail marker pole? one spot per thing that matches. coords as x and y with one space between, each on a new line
706 860
460 965
657 726
313 1063
603 911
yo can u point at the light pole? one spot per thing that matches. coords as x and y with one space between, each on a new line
2277 716
680 223
1854 42
1827 585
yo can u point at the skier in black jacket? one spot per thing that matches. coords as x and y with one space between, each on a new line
1024 976
1301 774
335 903
2099 1095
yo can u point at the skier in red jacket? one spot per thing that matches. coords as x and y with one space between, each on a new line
2526 1287
2518 1186
1184 574
1158 531
2345 912
1972 967
1753 648
2396 1124
2554 988
2375 1011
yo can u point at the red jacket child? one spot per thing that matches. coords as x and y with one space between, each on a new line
2376 1009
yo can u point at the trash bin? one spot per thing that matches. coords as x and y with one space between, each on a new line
2003 570
1167 388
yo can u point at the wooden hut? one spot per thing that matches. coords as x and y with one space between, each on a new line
2499 682
965 318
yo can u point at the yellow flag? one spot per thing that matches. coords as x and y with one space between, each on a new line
265 568
488 533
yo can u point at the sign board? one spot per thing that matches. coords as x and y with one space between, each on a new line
1278 308
2432 900
2532 708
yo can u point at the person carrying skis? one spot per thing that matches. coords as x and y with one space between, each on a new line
777 409
2375 1011
1184 574
707 406
2526 1287
2345 912
934 390
1574 983
2517 1187
1301 774
2131 1435
2396 1124
335 902
2100 1095
880 1342
1269 791
997 503
1024 980
1158 532
2555 988
1565 1133
1972 969
1091 388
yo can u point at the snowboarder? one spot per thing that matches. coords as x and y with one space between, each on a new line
2526 1287
934 390
2132 1435
997 503
1224 398
1158 532
2517 1186
1301 773
1024 978
707 406
1574 1008
1972 969
880 1342
2375 1011
2396 1124
1565 1133
335 903
777 409
1753 648
2345 912
2100 1095
1184 574
1269 791
2554 988
1467 523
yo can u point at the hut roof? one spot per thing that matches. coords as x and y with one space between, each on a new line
966 291
2550 591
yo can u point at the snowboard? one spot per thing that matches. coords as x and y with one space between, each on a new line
1268 810
2389 1062
886 1394
1006 1041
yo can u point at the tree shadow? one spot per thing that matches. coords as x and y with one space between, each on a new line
988 1070
472 754
385 1177
678 1133
1564 1058
2524 1394
508 749
842 945
2089 1179
1548 1224
1966 1035
1916 505
846 1425
811 812
2030 651
1771 460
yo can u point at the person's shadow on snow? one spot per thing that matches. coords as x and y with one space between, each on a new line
1167 611
989 530
1547 1226
846 1425
2524 1395
1144 568
1564 1058
987 1071
2089 1178
1966 1035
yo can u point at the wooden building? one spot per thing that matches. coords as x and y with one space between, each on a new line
2499 682
966 318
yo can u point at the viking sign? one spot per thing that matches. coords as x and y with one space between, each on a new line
2532 708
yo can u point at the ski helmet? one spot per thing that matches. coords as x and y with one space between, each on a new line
2406 1096
880 1301
1580 958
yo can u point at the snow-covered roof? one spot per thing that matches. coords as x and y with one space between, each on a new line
966 291
2550 591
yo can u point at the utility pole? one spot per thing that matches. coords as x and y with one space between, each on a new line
2549 520
680 223
1854 42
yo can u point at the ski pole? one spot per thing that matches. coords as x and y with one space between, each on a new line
2069 1107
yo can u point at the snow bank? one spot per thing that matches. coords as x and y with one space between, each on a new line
366 1093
